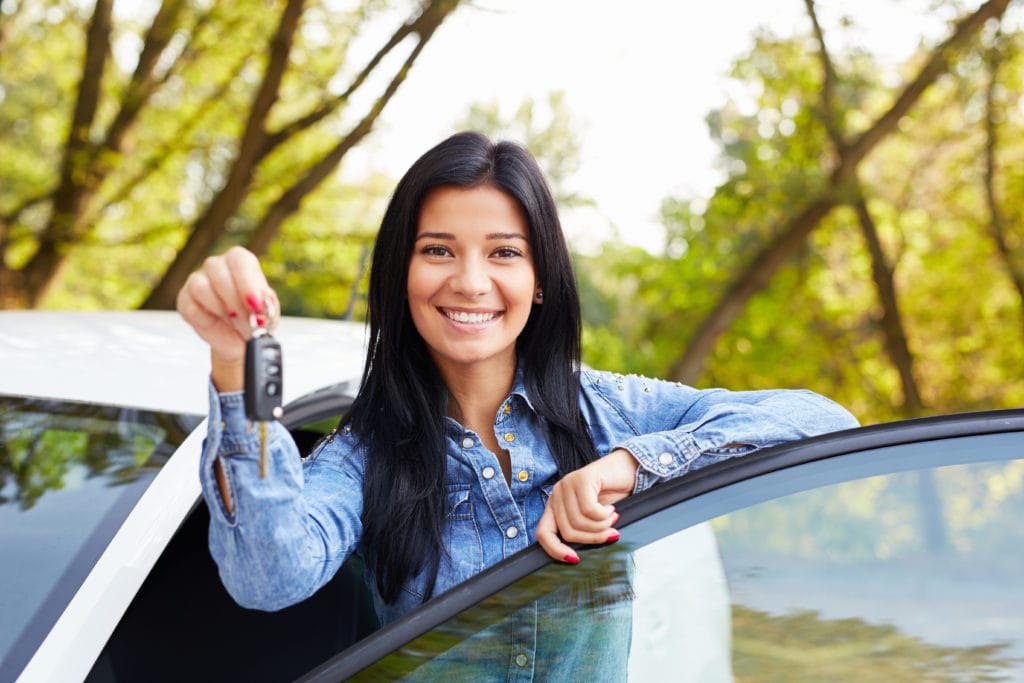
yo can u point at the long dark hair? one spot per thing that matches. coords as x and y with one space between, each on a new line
400 411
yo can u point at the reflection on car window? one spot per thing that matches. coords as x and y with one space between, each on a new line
916 573
69 473
906 576
560 623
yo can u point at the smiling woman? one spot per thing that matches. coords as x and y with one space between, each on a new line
472 283
472 369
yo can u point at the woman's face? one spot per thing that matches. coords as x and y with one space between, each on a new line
471 280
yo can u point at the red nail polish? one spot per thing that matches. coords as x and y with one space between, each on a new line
254 303
613 538
261 321
571 559
232 314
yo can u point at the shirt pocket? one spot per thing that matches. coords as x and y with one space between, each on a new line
462 555
465 552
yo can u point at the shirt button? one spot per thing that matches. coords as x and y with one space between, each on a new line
521 659
510 437
467 442
488 473
511 532
665 459
523 475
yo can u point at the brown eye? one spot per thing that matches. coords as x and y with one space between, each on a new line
507 252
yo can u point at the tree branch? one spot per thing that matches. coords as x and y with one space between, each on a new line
793 233
893 330
41 268
326 109
828 85
143 82
290 200
997 225
208 228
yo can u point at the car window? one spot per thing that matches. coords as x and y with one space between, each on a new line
907 576
183 625
899 563
69 475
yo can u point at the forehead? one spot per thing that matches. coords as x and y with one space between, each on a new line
483 209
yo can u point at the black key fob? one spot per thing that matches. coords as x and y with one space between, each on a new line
263 375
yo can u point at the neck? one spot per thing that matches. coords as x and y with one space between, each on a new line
478 390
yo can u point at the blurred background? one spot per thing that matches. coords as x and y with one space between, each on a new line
758 194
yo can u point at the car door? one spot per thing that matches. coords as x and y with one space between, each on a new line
890 552
183 625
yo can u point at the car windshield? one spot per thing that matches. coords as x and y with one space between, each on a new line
69 475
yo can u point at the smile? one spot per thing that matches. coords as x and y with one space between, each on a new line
470 318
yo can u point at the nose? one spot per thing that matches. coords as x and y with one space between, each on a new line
471 278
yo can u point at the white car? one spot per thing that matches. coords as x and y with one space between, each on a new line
888 552
101 423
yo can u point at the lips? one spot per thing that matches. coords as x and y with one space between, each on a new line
470 318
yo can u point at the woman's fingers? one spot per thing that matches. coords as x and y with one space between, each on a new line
221 299
573 515
252 293
580 510
548 539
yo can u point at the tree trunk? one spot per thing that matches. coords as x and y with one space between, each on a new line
997 225
69 196
792 235
87 165
290 200
210 225
258 143
893 330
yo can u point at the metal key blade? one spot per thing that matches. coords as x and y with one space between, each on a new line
263 450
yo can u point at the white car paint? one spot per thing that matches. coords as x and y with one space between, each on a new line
147 360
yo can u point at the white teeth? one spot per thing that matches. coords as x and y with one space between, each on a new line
463 317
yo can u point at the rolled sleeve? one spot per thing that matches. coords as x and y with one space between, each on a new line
672 429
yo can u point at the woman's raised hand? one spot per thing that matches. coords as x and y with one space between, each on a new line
216 301
581 510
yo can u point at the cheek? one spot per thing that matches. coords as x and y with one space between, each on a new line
416 287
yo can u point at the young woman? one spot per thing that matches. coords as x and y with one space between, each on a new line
475 431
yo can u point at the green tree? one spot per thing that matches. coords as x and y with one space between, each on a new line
847 245
202 124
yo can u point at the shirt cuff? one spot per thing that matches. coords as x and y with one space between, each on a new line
662 456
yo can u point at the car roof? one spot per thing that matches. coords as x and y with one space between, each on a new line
153 359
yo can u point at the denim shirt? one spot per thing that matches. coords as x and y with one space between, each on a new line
287 534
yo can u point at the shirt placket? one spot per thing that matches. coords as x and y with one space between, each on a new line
505 514
511 438
523 650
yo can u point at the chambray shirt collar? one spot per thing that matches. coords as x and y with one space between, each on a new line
519 386
518 389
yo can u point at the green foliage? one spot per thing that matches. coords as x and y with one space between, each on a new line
183 141
818 322
47 446
808 647
547 128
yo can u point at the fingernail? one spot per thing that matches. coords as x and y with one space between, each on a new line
612 538
232 314
261 321
615 519
254 302
571 559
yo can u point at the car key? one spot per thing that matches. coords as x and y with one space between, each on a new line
263 384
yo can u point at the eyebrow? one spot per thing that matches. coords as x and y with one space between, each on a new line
489 236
